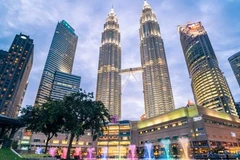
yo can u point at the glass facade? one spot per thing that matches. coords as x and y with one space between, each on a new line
208 83
64 84
3 55
60 58
158 95
237 104
109 66
234 61
115 139
14 75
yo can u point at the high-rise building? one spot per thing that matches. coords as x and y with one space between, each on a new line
208 83
234 61
63 84
158 95
237 104
60 58
109 80
3 55
14 75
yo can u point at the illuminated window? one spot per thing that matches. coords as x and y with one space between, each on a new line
64 142
55 141
80 142
125 138
73 142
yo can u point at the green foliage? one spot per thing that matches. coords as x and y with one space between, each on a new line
34 155
15 144
74 115
83 114
219 148
46 119
7 154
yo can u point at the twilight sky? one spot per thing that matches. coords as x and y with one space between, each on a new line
38 18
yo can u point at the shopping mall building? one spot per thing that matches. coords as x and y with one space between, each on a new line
205 129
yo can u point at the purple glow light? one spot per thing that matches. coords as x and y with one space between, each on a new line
52 152
132 153
90 151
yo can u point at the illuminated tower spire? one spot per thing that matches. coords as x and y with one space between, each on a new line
109 80
156 81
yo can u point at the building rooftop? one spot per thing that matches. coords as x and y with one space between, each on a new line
192 111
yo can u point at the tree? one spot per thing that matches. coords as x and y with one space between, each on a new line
46 119
83 114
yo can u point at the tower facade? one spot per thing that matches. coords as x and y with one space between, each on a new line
108 79
3 55
14 75
60 58
158 95
64 84
208 83
234 61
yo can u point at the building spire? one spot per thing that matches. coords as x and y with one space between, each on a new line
146 5
112 10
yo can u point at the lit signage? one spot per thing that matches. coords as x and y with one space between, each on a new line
233 134
23 37
26 138
198 118
24 142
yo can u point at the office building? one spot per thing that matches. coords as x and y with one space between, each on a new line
116 137
205 129
29 140
234 61
237 104
208 83
64 84
158 95
60 58
3 55
109 65
14 75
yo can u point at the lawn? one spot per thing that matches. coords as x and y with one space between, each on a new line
7 154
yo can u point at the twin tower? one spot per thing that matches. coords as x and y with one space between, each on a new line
157 88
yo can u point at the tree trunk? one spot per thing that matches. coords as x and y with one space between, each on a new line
70 146
46 145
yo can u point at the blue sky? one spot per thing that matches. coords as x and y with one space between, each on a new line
38 18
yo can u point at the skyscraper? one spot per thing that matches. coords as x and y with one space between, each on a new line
158 95
109 66
3 55
14 75
60 58
64 84
208 83
234 61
